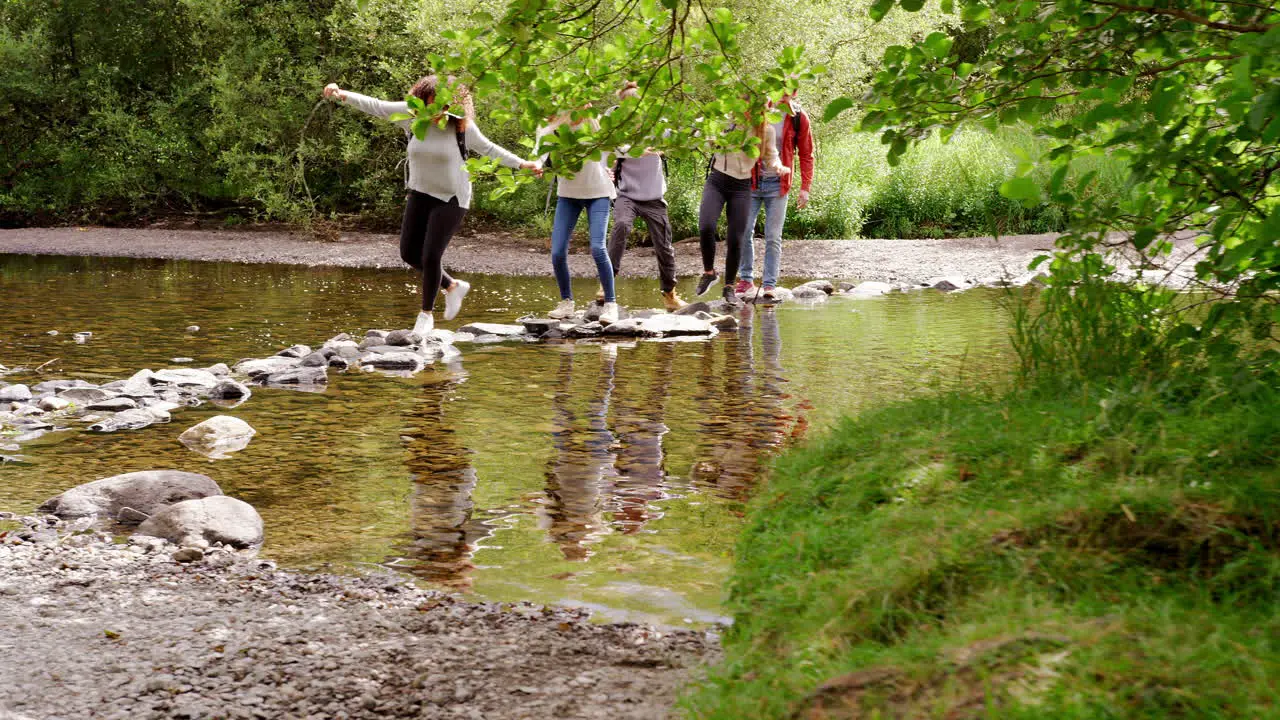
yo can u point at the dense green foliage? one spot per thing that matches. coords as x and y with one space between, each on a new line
1187 93
213 111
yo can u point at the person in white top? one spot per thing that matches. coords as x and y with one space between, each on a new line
728 190
438 191
591 190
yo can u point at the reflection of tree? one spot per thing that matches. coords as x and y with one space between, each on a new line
583 457
639 421
443 528
742 414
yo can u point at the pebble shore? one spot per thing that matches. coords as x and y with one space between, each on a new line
93 628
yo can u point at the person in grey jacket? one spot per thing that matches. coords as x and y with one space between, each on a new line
642 186
438 191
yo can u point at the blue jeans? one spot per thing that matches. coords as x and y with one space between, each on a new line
767 193
567 212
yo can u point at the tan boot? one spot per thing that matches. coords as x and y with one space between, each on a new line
673 301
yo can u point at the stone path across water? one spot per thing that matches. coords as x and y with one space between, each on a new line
96 629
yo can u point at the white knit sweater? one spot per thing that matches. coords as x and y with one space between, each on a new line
435 165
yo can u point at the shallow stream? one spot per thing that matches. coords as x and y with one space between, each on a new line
609 475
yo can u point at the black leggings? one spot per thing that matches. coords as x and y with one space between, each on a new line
428 226
723 190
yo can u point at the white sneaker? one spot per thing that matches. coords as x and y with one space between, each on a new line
562 311
453 298
609 313
425 324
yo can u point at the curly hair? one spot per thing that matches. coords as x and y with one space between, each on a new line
425 90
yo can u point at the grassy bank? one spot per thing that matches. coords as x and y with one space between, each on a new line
1069 554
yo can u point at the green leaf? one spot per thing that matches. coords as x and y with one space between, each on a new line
879 9
1023 189
835 107
912 5
1143 237
939 45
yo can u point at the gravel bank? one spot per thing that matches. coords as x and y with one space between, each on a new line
908 261
95 629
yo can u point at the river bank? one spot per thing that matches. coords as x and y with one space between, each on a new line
125 631
907 261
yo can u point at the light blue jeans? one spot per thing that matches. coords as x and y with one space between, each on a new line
567 212
769 194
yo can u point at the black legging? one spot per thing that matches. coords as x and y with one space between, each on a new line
428 226
719 191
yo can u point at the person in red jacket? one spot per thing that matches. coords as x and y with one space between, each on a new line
770 190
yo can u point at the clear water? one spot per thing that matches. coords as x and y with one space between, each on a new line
610 475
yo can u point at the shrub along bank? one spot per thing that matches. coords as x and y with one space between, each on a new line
1105 547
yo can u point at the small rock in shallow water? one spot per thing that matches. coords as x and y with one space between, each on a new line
297 351
229 389
296 376
805 292
181 360
498 329
20 393
401 338
411 362
186 377
115 404
54 404
218 436
86 396
823 285
265 366
191 329
126 420
870 289
671 325
315 359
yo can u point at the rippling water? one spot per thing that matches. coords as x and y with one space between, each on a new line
610 475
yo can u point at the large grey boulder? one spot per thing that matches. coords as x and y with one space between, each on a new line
629 327
203 522
115 404
218 436
949 283
403 338
147 492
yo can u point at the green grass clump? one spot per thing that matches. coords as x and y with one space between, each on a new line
1059 553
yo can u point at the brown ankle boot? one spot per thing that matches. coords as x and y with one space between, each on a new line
673 301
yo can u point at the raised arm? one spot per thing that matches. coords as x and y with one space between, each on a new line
372 106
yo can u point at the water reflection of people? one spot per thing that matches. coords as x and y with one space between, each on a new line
582 464
639 423
444 530
743 416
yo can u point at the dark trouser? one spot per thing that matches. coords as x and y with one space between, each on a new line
654 214
428 226
723 190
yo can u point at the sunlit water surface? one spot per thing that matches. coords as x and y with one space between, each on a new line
609 475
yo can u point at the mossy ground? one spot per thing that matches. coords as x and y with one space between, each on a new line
1073 554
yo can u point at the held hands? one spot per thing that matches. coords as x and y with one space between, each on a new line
332 92
533 167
